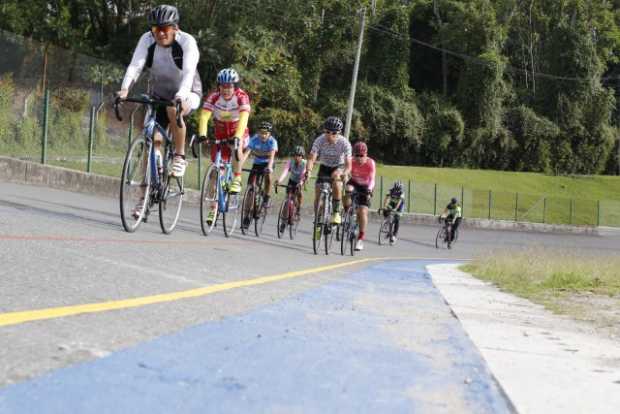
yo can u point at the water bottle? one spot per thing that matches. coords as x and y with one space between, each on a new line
159 162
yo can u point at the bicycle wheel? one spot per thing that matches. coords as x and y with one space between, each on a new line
209 199
294 219
330 229
135 185
231 215
352 238
282 218
384 232
346 222
261 216
440 239
171 197
247 209
318 223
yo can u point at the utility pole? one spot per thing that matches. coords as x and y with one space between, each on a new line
347 128
618 121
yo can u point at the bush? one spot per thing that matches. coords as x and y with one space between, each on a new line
7 92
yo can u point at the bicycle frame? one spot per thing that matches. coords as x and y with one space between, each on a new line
222 179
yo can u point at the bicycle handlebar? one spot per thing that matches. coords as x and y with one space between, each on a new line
148 100
212 141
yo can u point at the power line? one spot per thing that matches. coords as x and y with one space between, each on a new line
510 68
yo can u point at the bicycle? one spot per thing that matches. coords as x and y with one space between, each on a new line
350 226
214 188
386 231
443 235
322 225
289 214
253 208
145 179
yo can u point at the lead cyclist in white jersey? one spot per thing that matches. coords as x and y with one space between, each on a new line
172 58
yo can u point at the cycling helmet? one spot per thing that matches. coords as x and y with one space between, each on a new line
360 149
333 124
228 75
299 150
265 126
163 15
397 188
454 200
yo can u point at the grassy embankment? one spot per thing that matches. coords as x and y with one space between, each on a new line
560 280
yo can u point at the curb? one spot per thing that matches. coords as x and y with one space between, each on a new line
27 172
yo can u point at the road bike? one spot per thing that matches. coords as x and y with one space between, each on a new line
322 227
253 207
443 235
289 214
146 179
350 226
214 191
386 231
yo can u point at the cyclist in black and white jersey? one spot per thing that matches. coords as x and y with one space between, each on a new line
172 58
334 152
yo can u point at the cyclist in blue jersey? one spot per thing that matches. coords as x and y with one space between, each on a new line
263 146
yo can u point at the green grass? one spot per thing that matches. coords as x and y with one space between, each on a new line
528 197
549 277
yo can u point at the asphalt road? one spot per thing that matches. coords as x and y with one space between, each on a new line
59 250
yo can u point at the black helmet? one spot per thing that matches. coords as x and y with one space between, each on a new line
163 15
454 200
266 126
299 150
333 124
397 188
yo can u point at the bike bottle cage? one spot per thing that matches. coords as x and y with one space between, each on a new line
177 55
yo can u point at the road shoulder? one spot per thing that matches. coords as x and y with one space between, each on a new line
546 363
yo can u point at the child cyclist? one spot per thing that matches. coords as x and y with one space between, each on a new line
394 201
296 167
263 146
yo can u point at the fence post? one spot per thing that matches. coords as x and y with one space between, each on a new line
381 185
516 206
490 201
46 105
435 201
409 196
598 213
91 138
462 200
570 212
544 210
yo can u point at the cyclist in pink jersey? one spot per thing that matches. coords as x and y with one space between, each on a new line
363 183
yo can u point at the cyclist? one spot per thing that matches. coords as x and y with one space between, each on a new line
363 182
452 214
296 167
263 146
230 108
171 57
334 152
394 201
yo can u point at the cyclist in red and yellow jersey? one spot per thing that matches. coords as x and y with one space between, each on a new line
230 108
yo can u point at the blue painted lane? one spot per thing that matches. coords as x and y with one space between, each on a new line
380 340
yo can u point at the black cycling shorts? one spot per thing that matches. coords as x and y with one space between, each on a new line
291 186
361 194
325 173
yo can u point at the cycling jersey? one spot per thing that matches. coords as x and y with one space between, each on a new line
454 210
332 155
227 114
297 170
167 79
363 174
261 149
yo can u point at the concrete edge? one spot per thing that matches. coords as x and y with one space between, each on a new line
27 172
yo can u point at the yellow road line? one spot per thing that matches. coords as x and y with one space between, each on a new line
15 318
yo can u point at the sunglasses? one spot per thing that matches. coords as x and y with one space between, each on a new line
162 29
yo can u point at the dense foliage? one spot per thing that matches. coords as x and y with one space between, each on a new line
506 84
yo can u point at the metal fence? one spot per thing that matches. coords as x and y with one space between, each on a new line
53 110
